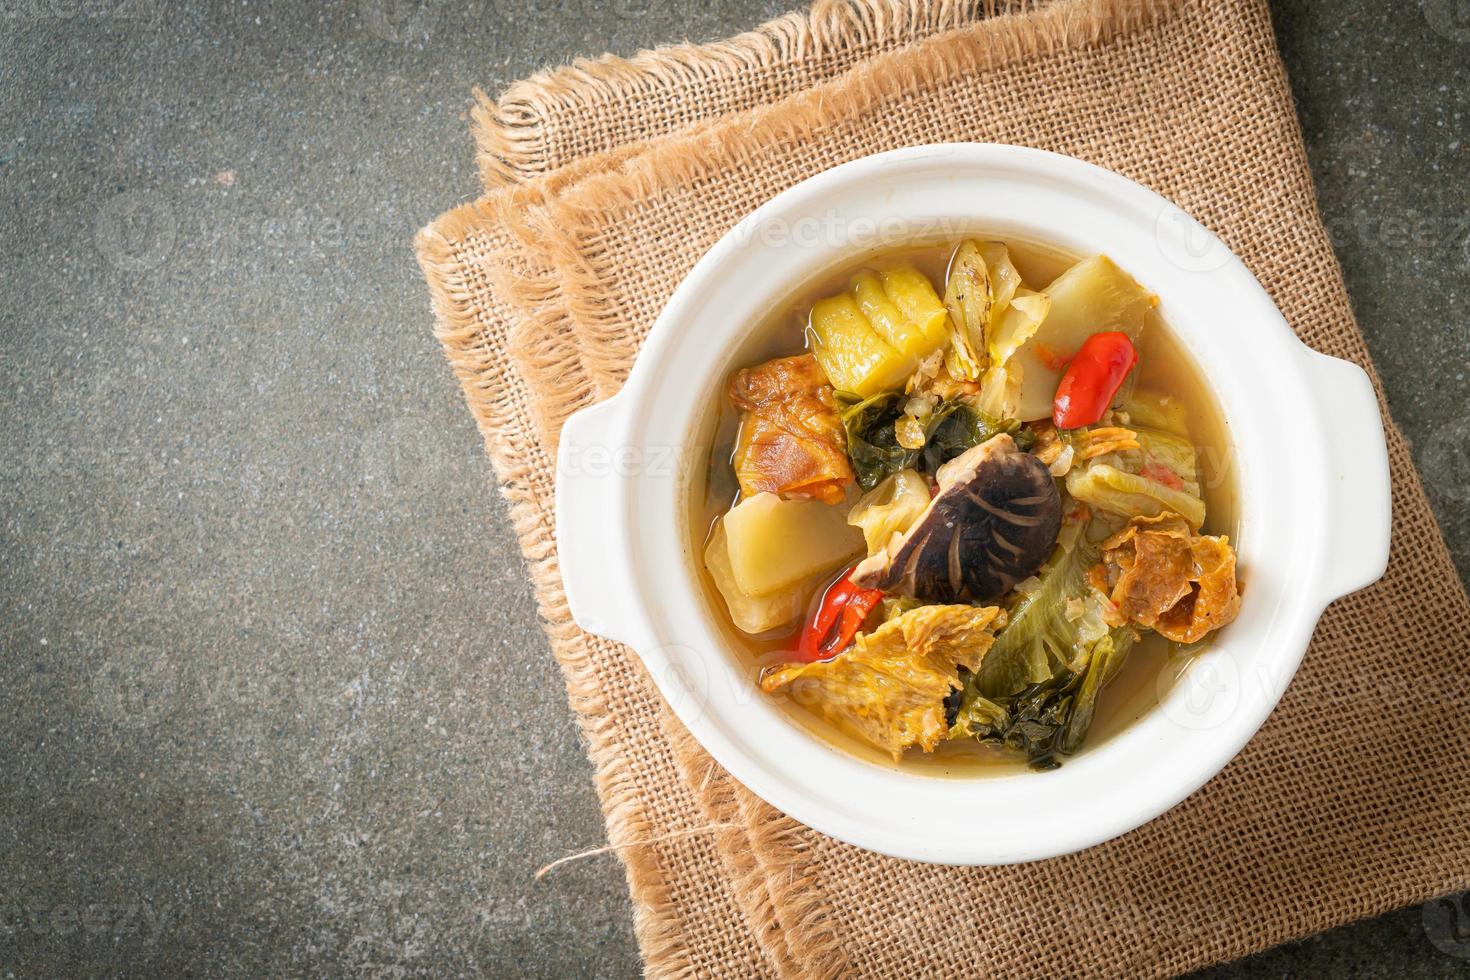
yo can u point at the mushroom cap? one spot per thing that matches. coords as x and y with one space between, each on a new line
993 523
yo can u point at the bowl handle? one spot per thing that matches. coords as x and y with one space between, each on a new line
591 522
1358 495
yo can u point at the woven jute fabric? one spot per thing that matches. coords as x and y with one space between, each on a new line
1345 804
564 115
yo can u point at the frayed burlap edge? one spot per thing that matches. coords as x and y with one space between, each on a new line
684 160
495 403
723 802
516 136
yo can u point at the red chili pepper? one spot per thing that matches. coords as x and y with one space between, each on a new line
837 620
1092 379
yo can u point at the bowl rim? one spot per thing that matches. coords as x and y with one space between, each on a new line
1207 296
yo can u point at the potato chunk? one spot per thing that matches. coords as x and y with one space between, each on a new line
776 543
753 614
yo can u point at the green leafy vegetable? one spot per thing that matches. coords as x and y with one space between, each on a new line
950 428
1036 690
872 442
1040 640
1046 720
964 428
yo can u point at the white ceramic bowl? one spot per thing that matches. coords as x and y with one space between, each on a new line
1310 458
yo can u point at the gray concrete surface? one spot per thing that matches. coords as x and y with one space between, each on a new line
273 699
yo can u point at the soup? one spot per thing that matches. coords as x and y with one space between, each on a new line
967 507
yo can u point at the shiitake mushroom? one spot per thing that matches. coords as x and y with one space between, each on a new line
992 524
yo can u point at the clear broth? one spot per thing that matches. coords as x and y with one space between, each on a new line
1153 666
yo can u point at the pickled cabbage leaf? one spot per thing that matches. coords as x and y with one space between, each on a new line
889 688
1046 636
1018 324
1120 492
949 428
1036 690
1156 410
1005 278
979 290
890 508
969 298
1161 475
1000 388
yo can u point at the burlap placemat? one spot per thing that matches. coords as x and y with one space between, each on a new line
593 106
1344 805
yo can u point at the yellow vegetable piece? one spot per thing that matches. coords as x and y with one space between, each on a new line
753 614
886 319
872 337
914 295
775 543
854 358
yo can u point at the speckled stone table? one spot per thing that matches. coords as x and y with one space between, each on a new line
273 698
